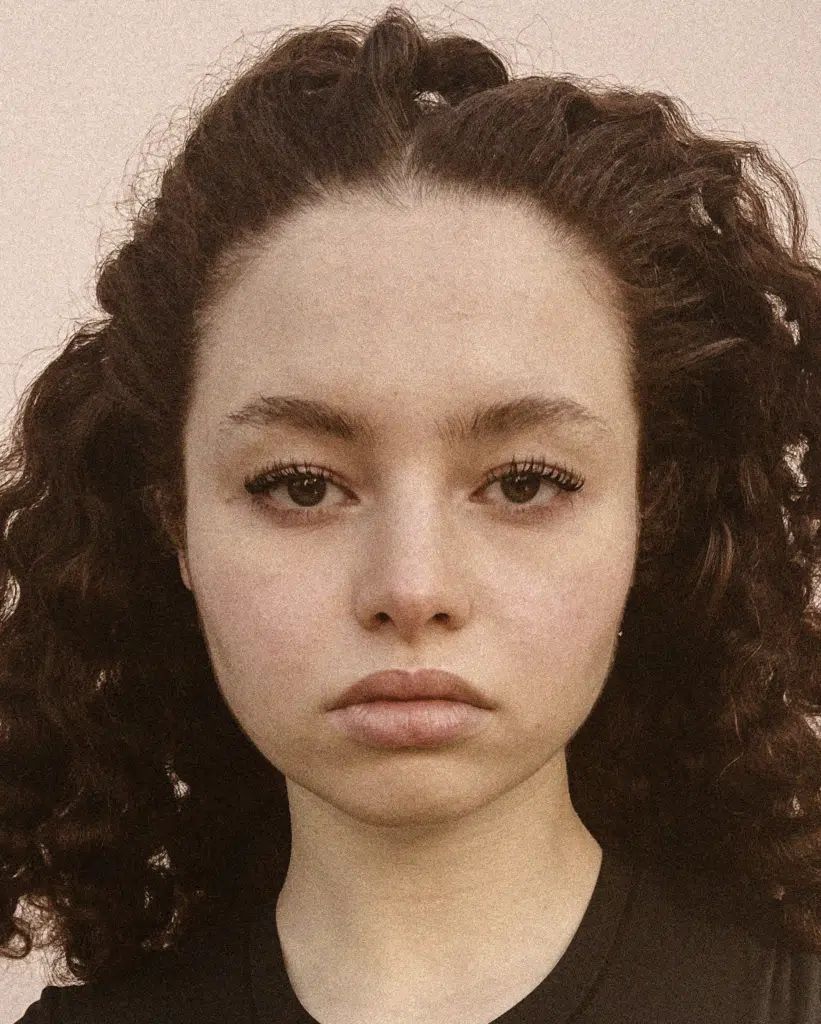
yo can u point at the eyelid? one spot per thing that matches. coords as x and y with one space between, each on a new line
257 483
532 464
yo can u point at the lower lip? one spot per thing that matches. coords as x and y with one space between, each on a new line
409 723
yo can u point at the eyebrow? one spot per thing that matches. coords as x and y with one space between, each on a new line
488 422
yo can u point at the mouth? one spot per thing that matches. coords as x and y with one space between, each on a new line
410 724
407 686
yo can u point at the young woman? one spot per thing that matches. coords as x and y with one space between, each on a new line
409 580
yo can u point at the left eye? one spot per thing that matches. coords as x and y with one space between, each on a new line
307 485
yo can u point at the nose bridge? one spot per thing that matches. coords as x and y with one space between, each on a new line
412 522
410 578
413 553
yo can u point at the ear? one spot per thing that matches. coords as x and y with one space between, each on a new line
183 563
167 537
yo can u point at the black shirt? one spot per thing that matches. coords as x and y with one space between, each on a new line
651 948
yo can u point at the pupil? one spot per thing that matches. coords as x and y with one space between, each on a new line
517 486
300 490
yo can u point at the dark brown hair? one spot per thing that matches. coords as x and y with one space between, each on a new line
125 780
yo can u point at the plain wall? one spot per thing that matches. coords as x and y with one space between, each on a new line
88 90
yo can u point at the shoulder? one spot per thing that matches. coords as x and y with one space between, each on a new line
206 982
724 955
45 1010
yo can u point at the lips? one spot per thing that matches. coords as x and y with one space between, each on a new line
421 684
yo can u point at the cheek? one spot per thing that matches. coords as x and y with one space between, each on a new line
260 641
579 594
260 622
565 615
560 658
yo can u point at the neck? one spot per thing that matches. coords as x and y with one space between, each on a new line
505 884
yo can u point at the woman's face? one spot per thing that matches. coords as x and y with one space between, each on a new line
406 557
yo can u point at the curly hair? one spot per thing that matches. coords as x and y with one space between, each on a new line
127 785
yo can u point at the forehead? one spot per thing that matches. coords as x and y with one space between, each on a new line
387 301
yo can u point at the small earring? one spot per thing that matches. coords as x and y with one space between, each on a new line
620 632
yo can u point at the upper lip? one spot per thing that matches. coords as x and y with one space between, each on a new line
421 684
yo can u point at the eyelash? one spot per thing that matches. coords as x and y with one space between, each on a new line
257 484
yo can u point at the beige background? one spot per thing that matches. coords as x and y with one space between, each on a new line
94 92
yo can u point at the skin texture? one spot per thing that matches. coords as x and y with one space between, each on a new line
420 881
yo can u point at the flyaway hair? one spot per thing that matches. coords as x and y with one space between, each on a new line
133 809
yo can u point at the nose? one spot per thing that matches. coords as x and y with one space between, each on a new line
413 571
